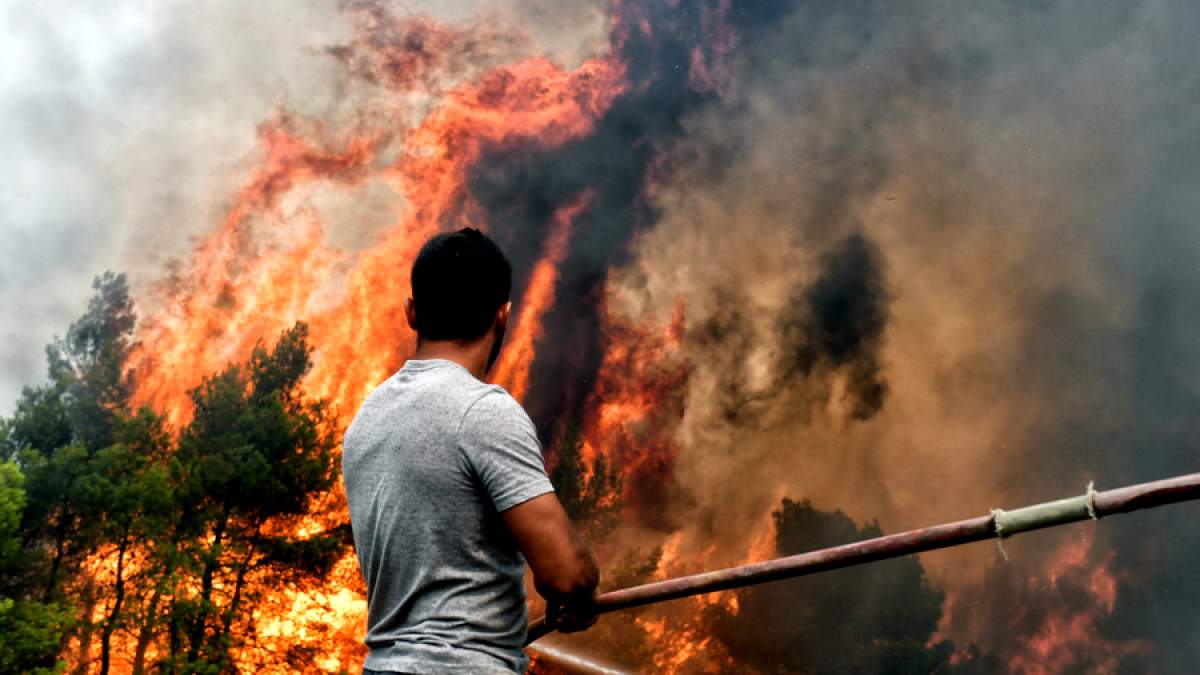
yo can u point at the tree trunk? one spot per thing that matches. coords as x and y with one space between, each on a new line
243 568
87 599
110 623
211 563
146 630
60 544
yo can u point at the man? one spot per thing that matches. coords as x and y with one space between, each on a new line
447 487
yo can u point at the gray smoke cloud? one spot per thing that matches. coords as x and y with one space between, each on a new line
128 125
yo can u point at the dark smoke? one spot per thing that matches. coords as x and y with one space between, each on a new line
832 107
521 186
840 323
831 326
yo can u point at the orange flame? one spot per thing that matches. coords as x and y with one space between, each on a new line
1064 635
512 370
246 283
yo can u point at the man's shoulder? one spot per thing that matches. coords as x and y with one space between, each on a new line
491 404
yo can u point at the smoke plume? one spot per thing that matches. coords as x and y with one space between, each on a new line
1023 173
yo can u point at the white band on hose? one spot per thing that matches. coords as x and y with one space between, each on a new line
1008 523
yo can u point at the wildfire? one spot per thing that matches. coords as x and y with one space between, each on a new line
269 263
512 370
1065 638
637 400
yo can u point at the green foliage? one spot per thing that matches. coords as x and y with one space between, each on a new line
58 427
96 473
55 516
89 363
30 632
30 636
12 504
254 449
590 493
881 617
127 492
255 453
40 422
191 529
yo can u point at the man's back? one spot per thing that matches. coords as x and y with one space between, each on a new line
432 458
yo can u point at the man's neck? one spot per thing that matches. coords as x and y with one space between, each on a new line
470 355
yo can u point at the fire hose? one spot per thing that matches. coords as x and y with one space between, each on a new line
998 524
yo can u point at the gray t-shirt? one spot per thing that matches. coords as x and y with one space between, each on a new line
430 460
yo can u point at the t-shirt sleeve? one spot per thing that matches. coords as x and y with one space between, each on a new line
500 444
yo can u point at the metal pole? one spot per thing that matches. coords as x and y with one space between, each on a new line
1091 505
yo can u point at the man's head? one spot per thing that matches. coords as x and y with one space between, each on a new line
460 287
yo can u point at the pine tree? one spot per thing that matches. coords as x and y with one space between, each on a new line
127 490
187 532
248 467
59 426
96 480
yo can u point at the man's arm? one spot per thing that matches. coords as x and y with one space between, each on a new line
564 571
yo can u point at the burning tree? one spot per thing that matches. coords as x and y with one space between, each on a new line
590 491
153 539
246 471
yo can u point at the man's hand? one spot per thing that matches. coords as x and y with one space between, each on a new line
564 571
572 615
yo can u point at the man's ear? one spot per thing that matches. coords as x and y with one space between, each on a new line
502 315
410 313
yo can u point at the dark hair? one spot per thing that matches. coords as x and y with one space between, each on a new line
459 280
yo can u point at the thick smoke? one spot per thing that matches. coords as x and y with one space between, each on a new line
837 323
521 186
1026 175
121 121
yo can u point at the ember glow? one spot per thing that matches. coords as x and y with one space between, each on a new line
1064 634
762 251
